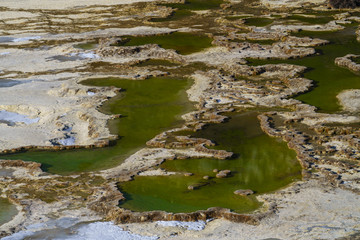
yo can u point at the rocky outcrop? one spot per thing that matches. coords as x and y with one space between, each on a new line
140 52
350 100
223 173
303 41
349 61
279 50
244 192
331 149
344 3
125 216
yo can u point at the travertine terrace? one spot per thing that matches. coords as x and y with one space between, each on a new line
47 107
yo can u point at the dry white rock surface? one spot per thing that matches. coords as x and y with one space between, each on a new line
63 112
273 4
350 100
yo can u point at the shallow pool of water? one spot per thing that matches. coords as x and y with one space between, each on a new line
183 43
261 163
8 83
310 19
7 211
6 172
329 79
258 22
196 5
148 107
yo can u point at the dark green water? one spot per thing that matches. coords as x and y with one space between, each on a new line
196 5
87 46
148 108
329 79
310 19
258 22
183 43
7 211
261 163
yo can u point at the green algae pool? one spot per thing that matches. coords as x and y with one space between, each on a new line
86 46
261 163
7 211
258 22
310 19
148 107
183 43
196 5
329 79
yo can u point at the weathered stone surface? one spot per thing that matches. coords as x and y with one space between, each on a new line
244 192
126 216
350 99
223 174
348 62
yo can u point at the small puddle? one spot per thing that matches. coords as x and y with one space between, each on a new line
7 211
6 172
63 58
262 164
21 39
6 39
12 118
86 46
8 83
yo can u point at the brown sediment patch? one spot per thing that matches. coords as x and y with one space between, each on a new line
126 216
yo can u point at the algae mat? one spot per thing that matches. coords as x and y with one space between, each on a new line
261 163
148 107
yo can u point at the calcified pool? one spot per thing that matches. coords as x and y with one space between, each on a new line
329 78
147 107
7 210
261 163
